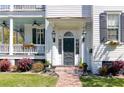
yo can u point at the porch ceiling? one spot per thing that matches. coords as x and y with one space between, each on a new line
28 20
68 23
19 22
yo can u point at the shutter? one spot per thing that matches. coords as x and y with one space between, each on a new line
103 27
60 46
122 27
42 36
34 35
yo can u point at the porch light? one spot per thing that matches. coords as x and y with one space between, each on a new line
53 36
4 23
84 35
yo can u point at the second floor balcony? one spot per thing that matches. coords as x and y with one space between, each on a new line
22 10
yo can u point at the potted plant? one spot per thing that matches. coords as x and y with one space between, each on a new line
83 65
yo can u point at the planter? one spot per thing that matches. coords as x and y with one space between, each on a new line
112 43
28 45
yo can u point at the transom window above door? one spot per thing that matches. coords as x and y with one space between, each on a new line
68 34
38 36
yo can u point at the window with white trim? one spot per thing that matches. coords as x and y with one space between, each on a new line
38 36
113 26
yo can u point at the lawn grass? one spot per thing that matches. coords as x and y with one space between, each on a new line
26 80
99 81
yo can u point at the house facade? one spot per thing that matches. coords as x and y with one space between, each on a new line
61 34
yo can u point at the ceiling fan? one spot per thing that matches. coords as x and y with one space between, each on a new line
4 24
35 23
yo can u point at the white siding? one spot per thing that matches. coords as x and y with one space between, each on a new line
102 52
68 11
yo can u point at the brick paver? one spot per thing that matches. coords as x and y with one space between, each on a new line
67 78
119 76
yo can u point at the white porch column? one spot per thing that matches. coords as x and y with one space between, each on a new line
83 46
11 37
11 7
12 61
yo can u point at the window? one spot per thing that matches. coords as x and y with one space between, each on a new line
60 46
38 36
113 27
77 46
68 34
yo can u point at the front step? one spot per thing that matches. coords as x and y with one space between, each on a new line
68 69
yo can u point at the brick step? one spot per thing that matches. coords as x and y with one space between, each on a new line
71 70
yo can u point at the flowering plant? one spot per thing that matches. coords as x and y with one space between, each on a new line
4 65
112 42
24 64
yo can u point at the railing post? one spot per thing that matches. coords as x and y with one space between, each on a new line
11 7
11 33
11 37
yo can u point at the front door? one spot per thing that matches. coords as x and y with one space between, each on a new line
68 47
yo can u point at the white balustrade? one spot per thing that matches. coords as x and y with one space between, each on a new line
4 48
21 49
28 7
22 7
4 7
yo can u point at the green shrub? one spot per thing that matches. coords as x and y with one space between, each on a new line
37 67
13 68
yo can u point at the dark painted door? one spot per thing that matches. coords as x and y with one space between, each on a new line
68 47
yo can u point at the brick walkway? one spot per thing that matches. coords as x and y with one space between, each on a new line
66 78
120 76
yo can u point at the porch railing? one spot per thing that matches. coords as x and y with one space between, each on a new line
4 48
28 7
21 49
4 7
23 7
